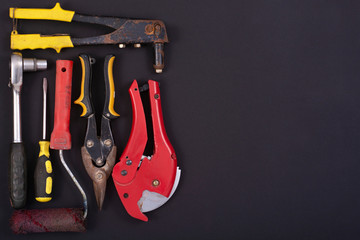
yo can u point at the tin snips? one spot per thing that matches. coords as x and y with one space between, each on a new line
98 153
145 183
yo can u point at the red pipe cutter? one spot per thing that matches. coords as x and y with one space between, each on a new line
145 183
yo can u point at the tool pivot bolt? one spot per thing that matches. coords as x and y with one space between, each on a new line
128 162
121 45
99 161
92 60
156 183
89 143
156 96
99 176
126 195
123 172
108 142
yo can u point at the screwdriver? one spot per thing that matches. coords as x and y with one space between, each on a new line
43 170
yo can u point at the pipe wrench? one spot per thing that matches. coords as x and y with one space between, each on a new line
145 183
126 31
98 153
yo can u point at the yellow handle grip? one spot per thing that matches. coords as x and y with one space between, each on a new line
55 13
44 148
36 41
84 100
109 79
43 174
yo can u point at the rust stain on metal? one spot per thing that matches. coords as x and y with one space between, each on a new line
149 29
138 21
157 29
107 39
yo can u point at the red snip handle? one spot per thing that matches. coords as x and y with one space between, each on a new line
60 136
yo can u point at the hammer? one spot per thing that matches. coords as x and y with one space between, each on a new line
17 166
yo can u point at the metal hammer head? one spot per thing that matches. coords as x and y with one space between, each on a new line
18 65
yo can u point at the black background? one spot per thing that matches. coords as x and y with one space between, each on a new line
261 103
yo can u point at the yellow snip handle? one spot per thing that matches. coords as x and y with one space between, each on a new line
109 111
55 13
36 41
84 100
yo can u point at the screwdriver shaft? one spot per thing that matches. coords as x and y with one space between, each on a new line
44 106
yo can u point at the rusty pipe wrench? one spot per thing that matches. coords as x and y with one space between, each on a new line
126 31
144 183
98 153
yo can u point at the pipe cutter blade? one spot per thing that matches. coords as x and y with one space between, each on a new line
152 200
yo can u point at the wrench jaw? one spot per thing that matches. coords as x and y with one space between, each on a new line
136 181
99 175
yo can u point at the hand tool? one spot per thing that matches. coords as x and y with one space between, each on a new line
145 183
60 136
126 31
62 219
98 153
17 166
43 171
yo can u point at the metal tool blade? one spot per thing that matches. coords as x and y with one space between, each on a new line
45 87
152 200
100 188
99 175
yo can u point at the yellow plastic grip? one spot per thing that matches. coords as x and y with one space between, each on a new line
43 174
48 190
48 166
44 148
56 13
48 185
112 87
78 101
43 199
36 41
